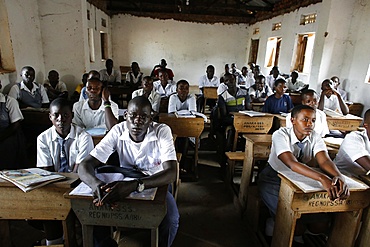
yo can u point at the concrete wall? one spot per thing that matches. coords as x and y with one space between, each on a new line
187 47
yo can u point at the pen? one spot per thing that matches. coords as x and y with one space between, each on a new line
368 173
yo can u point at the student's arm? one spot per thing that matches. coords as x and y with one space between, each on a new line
192 103
110 119
44 159
364 161
172 104
85 145
343 106
222 106
10 130
322 101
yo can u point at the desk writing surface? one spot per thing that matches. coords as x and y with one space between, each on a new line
247 124
183 127
344 123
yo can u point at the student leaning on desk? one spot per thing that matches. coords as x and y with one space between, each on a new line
293 148
142 145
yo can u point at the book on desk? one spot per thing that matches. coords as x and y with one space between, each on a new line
190 114
253 113
29 179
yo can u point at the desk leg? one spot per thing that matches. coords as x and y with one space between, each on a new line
87 235
154 237
69 228
346 225
364 237
5 239
196 157
246 174
235 140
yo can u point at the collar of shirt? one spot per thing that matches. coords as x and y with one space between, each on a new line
294 138
86 106
24 87
71 135
149 137
2 98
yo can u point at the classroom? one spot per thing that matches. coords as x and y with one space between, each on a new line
318 38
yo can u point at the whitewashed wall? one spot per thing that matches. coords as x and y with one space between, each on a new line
187 47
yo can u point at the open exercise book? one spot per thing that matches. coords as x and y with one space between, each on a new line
190 114
29 179
307 184
83 190
253 113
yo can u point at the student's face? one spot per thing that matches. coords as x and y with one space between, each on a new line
327 89
260 84
275 73
281 88
94 90
183 91
304 123
230 82
294 76
310 100
109 64
336 83
138 119
53 77
244 71
61 117
147 85
28 75
210 73
163 77
135 67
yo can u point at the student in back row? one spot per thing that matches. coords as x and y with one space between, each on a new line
54 87
207 80
331 99
279 102
148 91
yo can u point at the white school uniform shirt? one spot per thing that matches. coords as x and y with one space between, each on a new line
321 126
15 91
270 80
256 93
78 145
114 77
332 103
87 118
297 85
169 89
61 86
149 155
175 104
12 107
154 98
342 93
284 140
354 146
205 82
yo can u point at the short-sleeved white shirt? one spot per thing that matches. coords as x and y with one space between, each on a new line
78 145
266 89
61 86
114 77
175 104
156 148
354 146
205 82
87 118
270 80
170 88
154 98
284 140
332 103
297 85
321 126
15 91
12 106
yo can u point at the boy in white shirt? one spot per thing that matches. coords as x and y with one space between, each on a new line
331 99
182 100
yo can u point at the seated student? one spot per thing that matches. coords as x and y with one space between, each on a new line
134 77
293 148
110 76
278 102
12 141
165 87
273 77
60 149
182 100
331 99
235 71
97 111
294 84
309 97
226 71
336 83
259 92
134 139
91 74
54 87
148 91
243 78
159 67
353 157
207 80
76 94
233 99
29 93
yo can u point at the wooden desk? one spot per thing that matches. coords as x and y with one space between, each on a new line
185 127
345 123
296 98
252 125
33 116
130 213
209 93
257 106
293 203
45 203
121 94
364 236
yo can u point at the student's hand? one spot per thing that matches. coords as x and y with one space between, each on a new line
105 94
331 188
343 191
99 193
117 191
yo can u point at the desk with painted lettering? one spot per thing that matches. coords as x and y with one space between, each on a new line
44 203
252 125
293 202
345 123
130 213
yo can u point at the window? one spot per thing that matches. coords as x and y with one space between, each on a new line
103 22
256 30
90 36
303 52
104 45
88 14
272 51
308 19
253 51
276 26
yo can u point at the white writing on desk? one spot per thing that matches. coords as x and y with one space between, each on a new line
254 125
123 212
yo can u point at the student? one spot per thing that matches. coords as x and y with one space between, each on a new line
148 91
273 77
353 157
60 149
207 80
293 148
91 74
29 93
54 87
278 102
12 140
182 100
243 78
226 71
259 92
110 76
336 83
294 84
97 111
309 97
331 99
165 87
76 94
134 77
162 67
141 144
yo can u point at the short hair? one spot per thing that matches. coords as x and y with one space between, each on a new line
275 68
93 74
182 82
334 77
61 102
367 116
260 77
297 109
27 67
281 80
141 101
93 79
163 71
309 92
210 67
295 72
328 81
148 78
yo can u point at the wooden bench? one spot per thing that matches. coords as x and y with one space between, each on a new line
232 158
209 93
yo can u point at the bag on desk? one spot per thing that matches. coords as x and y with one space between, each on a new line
126 172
